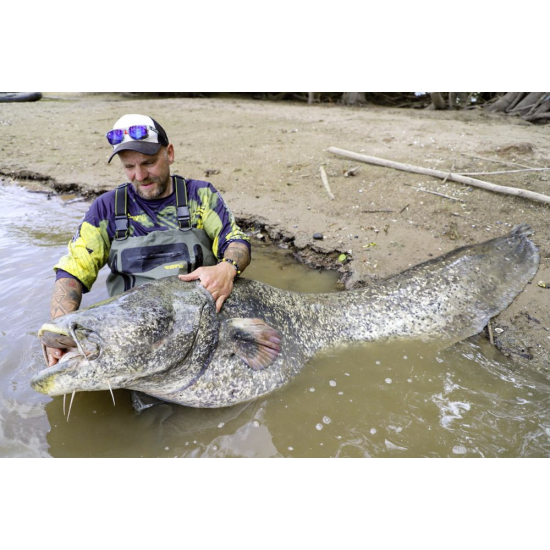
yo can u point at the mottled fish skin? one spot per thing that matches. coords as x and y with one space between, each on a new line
165 338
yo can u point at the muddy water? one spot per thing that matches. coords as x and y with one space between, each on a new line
399 400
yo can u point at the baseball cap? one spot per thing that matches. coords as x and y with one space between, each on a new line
156 136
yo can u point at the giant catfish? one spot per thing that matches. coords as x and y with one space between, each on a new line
165 338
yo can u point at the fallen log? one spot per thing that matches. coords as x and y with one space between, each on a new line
508 101
523 193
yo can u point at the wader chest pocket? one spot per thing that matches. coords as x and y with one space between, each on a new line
141 260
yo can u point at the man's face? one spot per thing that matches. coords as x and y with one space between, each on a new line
149 174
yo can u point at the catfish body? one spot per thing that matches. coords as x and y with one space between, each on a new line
166 340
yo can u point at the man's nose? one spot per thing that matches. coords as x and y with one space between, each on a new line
141 173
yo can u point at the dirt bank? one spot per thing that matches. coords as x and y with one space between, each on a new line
265 159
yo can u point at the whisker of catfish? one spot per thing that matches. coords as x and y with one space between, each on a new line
72 332
112 394
70 405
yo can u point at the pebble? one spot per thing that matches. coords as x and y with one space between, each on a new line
318 236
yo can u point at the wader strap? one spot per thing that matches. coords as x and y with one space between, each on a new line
121 212
182 210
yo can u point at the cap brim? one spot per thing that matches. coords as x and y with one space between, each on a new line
145 147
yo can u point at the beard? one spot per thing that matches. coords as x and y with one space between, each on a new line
155 191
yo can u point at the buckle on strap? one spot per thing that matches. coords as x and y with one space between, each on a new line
182 210
121 227
184 218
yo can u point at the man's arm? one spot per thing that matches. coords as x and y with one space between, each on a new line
238 252
218 279
66 298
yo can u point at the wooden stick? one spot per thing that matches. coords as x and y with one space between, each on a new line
442 175
325 183
352 172
450 172
438 194
498 161
502 172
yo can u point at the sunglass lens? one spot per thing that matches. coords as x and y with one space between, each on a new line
138 132
114 137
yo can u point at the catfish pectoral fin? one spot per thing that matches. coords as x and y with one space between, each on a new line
253 340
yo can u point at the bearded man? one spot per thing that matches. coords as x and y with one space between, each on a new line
156 225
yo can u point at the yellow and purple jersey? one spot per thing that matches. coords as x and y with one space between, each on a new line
89 248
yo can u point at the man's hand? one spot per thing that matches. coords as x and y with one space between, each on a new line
54 355
217 279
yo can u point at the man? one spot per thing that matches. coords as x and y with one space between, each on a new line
156 226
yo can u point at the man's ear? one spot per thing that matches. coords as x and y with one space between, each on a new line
170 153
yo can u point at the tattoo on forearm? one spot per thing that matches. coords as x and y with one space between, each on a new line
66 298
238 252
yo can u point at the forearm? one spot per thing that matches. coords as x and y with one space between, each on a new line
238 252
66 298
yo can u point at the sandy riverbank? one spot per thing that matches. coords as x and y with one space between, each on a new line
265 158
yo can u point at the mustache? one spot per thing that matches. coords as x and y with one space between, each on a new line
149 181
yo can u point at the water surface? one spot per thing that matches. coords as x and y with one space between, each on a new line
406 399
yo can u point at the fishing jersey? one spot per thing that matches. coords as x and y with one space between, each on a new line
88 250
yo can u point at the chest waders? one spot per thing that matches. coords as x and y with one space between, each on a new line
138 260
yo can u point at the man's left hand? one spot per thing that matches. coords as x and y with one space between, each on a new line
217 279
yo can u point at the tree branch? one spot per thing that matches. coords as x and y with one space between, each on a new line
523 193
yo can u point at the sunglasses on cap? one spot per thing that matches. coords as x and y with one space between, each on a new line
141 131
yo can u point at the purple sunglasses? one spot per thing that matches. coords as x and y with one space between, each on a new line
141 131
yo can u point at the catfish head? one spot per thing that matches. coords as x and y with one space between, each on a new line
159 333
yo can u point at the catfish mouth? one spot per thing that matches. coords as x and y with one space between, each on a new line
79 342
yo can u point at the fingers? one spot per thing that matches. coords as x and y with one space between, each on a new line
219 303
218 281
54 354
190 276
